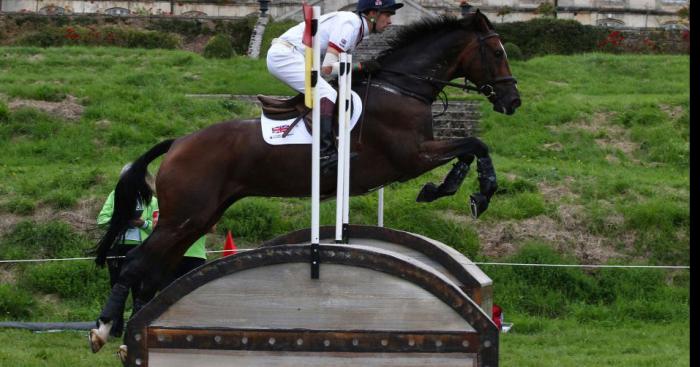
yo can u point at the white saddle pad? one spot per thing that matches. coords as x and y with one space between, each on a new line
272 130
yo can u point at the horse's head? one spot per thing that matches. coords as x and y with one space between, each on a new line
426 55
483 61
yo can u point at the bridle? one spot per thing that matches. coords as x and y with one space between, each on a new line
486 88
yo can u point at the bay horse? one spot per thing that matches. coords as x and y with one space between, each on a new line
205 172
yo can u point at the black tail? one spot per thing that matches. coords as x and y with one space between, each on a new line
131 186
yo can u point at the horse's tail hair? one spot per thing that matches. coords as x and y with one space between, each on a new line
132 185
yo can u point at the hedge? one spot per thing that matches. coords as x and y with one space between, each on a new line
543 36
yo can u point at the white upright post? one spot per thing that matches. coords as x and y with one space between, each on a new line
340 202
346 150
315 149
380 207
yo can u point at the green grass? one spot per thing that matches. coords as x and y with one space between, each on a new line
532 342
610 131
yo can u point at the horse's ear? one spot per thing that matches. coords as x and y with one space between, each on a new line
483 23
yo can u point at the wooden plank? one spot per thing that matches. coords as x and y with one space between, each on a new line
283 297
209 358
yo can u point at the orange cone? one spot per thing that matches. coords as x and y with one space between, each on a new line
230 246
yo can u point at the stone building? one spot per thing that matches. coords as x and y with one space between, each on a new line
611 13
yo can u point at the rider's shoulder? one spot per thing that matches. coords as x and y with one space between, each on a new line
348 17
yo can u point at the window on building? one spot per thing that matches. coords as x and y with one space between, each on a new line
611 23
117 11
194 14
674 26
52 10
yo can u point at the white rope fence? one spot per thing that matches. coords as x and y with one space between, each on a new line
472 263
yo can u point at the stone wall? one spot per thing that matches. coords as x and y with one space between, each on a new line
622 13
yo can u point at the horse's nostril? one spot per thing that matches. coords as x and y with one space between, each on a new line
516 103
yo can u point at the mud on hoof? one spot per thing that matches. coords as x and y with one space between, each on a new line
428 193
478 203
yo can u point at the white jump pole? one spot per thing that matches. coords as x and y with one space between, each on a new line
340 202
346 150
380 207
315 148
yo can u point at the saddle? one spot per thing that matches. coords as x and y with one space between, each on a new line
286 109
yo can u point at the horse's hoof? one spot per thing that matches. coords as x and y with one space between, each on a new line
428 193
478 203
121 353
96 343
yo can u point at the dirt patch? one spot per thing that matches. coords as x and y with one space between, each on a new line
673 112
612 136
68 109
7 275
557 192
505 238
566 232
82 218
197 44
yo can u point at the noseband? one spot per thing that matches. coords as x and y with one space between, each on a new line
486 88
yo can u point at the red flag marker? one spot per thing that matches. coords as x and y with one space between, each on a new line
230 246
308 29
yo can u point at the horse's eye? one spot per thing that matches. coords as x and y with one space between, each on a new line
499 53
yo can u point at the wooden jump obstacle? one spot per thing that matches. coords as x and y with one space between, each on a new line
388 298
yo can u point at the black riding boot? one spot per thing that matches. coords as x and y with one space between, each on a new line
329 153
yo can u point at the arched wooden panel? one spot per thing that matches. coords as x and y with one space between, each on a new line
370 307
445 259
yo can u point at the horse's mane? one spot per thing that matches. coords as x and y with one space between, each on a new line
419 29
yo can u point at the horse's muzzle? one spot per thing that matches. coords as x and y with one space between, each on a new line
507 108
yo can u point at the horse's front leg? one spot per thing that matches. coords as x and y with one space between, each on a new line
465 149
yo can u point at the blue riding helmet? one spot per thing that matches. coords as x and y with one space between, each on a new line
388 6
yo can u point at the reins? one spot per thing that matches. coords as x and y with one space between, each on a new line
486 88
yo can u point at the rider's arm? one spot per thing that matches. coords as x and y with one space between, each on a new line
330 62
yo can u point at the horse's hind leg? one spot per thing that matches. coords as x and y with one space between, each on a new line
146 263
114 308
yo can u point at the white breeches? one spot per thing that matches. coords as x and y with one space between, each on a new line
287 63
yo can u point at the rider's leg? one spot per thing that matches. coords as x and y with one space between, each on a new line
287 65
329 153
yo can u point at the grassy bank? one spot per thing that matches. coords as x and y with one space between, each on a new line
594 168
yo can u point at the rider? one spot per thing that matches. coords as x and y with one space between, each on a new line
339 31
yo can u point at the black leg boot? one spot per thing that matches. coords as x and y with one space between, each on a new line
329 153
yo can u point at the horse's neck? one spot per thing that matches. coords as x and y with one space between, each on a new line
426 59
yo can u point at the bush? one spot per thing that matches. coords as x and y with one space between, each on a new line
251 219
33 240
15 303
4 112
51 36
20 205
544 36
513 51
69 280
219 46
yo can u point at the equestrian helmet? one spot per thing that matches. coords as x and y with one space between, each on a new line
389 6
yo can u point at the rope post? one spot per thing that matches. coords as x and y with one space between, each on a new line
380 207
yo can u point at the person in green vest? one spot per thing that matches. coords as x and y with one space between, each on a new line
140 228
